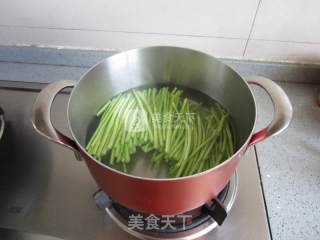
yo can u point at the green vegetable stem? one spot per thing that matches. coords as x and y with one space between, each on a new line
188 136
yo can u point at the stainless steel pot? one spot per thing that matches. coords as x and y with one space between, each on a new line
154 65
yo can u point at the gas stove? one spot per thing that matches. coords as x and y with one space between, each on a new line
189 225
44 190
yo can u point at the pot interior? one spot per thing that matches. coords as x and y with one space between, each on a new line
157 66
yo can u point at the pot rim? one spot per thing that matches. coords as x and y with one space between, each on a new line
237 153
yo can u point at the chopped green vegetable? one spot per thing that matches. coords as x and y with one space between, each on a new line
188 136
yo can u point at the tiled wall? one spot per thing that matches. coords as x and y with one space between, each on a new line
255 29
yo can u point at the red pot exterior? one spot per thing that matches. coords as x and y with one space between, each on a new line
162 197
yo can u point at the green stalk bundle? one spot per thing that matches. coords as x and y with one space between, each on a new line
188 136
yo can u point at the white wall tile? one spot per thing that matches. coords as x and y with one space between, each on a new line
226 18
118 41
288 20
283 51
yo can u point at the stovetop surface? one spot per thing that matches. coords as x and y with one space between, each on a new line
44 190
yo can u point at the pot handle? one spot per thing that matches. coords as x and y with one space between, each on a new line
282 109
41 119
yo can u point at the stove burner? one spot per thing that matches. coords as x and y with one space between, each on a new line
197 216
198 224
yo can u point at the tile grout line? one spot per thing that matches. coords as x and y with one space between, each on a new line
47 64
251 29
283 41
263 193
159 33
119 31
